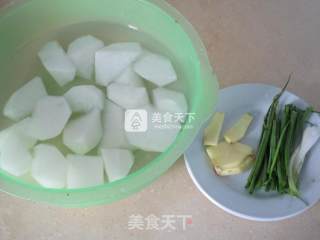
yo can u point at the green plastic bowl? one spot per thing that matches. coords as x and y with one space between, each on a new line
20 22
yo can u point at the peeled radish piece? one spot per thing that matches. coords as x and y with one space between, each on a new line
49 117
49 166
113 124
157 138
84 98
22 130
57 63
84 171
22 102
169 101
127 96
117 162
112 60
82 53
15 157
156 68
83 134
130 77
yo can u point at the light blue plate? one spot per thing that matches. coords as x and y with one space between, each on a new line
229 192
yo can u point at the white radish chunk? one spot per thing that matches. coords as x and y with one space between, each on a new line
15 157
82 53
49 166
156 69
83 134
128 96
49 117
84 171
169 101
84 98
112 60
22 129
113 124
156 138
22 102
130 77
117 162
57 63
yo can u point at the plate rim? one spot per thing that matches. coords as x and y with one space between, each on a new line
223 207
235 213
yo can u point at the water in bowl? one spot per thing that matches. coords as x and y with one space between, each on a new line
24 65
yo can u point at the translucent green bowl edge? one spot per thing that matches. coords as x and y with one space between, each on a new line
207 72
